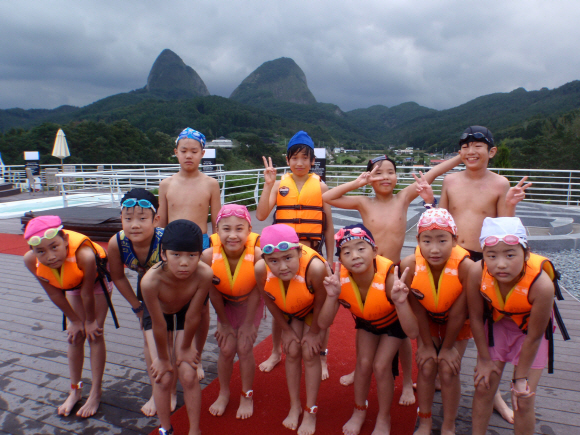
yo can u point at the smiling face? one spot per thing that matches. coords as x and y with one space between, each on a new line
385 170
181 264
52 252
284 265
436 247
300 162
476 155
505 262
138 223
357 256
189 153
233 232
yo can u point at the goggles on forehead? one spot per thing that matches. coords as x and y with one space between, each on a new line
233 212
282 247
378 159
474 137
508 239
48 234
346 234
439 220
143 203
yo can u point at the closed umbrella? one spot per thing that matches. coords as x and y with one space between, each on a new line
60 149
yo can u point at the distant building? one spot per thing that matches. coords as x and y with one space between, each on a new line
435 162
221 142
406 151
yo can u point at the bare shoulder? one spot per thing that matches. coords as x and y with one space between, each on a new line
323 186
317 268
30 261
408 261
207 255
209 181
542 288
260 270
150 281
204 272
166 182
475 270
453 178
85 254
464 268
499 179
113 244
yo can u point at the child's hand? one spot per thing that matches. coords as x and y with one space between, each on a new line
424 189
75 332
222 332
519 391
269 171
247 335
313 342
483 370
93 330
518 192
289 337
425 353
451 357
332 281
188 355
400 291
159 368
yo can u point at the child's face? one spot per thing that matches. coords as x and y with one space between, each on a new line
189 153
299 163
357 256
233 232
505 262
388 177
138 223
436 246
52 252
476 155
181 264
284 265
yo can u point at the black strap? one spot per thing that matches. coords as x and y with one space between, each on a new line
550 338
560 323
299 207
300 221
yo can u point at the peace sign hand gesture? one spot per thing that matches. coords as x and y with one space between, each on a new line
424 188
400 291
332 281
269 171
368 177
518 192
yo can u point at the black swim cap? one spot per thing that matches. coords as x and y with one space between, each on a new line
182 235
141 194
476 133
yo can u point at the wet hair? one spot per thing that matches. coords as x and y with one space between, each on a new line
379 159
295 149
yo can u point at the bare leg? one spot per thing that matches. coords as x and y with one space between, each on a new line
504 410
525 416
323 362
293 374
76 356
450 392
225 368
149 408
201 337
406 356
276 355
247 370
425 392
162 389
191 390
313 377
483 402
382 368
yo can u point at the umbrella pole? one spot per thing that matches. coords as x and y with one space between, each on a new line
62 172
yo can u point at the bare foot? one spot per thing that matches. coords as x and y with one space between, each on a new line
149 409
246 408
173 402
91 407
352 427
200 372
291 422
383 426
346 380
219 406
501 407
424 426
324 365
308 425
448 431
270 363
408 396
70 402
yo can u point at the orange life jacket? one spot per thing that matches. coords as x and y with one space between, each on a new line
377 310
298 300
438 301
301 210
234 288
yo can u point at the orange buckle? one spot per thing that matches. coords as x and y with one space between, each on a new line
362 408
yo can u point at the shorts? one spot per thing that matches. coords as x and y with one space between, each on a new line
236 313
175 321
439 331
392 330
508 340
307 319
475 255
97 289
205 241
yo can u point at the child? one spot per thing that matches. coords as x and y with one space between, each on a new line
72 271
516 288
476 193
237 302
304 190
291 276
175 292
190 194
365 284
440 273
385 215
138 247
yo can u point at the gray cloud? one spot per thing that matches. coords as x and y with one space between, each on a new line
439 54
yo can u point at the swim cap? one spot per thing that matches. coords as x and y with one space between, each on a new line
353 232
234 210
436 219
476 133
274 234
39 225
182 235
301 138
190 133
501 227
139 194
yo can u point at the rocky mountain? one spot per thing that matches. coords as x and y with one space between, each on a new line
280 80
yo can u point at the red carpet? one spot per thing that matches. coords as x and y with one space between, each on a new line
271 402
16 245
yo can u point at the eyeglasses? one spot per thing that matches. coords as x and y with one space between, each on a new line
282 246
241 213
465 138
508 239
143 203
48 234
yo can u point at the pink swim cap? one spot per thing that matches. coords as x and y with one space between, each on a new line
437 219
274 234
234 210
39 225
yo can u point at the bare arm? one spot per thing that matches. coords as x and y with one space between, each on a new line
150 291
163 209
269 191
329 232
475 304
117 270
193 314
458 311
331 304
337 197
513 196
398 290
410 192
444 200
215 203
316 274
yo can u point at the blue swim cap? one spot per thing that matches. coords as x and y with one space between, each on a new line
190 133
301 138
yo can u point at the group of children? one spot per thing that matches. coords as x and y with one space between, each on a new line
472 274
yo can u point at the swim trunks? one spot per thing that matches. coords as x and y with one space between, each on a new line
236 314
175 321
205 241
392 330
475 255
438 330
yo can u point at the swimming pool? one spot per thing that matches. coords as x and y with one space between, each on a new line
18 208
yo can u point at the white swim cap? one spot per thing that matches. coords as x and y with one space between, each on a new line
500 227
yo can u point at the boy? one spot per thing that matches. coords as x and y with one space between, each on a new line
190 194
291 275
138 247
302 189
72 271
477 193
385 215
175 292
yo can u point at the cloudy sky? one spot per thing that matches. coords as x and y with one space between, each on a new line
439 54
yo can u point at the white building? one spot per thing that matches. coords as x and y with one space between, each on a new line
222 142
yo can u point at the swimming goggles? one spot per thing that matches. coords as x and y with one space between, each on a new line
347 234
48 234
378 159
282 247
439 220
143 203
479 137
237 212
508 239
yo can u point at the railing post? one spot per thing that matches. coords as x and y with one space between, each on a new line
257 189
569 188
